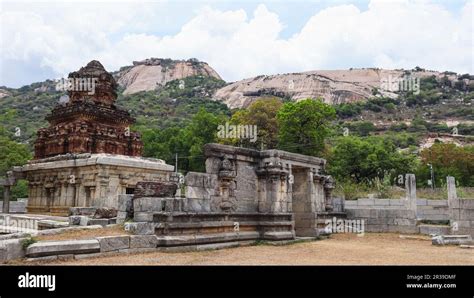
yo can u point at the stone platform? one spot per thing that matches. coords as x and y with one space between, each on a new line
183 228
84 180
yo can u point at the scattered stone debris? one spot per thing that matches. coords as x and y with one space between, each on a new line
451 239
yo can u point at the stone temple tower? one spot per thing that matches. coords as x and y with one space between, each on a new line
89 122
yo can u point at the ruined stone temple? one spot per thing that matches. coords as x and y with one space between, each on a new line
245 194
87 155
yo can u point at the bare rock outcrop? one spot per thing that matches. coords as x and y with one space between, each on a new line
333 86
152 73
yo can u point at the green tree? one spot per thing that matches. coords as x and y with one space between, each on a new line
447 160
187 141
263 114
13 154
364 159
304 125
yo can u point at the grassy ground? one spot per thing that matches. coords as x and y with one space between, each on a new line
340 249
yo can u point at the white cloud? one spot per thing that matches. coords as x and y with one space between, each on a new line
389 34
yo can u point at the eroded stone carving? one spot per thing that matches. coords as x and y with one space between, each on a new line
89 122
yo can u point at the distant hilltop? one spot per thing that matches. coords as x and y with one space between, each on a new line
152 73
333 86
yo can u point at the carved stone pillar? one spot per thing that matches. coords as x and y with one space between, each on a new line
329 185
275 178
6 199
227 176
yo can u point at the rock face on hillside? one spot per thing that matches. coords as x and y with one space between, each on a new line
152 73
4 93
334 86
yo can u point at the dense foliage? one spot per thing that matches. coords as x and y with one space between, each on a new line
304 125
364 159
447 160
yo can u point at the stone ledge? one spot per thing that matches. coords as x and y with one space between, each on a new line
143 241
112 243
287 235
48 248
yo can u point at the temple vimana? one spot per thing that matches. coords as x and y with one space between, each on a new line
89 123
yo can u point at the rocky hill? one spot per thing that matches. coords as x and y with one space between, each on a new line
153 73
334 86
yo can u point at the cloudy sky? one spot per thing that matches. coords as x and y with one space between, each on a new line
239 39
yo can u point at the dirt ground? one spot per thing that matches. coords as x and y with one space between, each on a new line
340 249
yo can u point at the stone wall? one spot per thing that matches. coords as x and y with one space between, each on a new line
383 215
462 216
18 206
199 190
271 181
432 210
410 214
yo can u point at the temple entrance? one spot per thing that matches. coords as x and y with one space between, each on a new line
303 209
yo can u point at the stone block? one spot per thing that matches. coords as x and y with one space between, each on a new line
350 203
84 221
98 221
381 202
365 202
105 212
421 202
214 246
176 240
49 248
402 229
155 189
466 204
122 217
195 179
462 223
434 230
112 243
358 213
51 224
404 222
125 203
140 228
466 214
451 239
394 202
78 220
198 205
11 249
275 236
143 216
378 220
437 202
196 192
87 211
137 250
143 241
